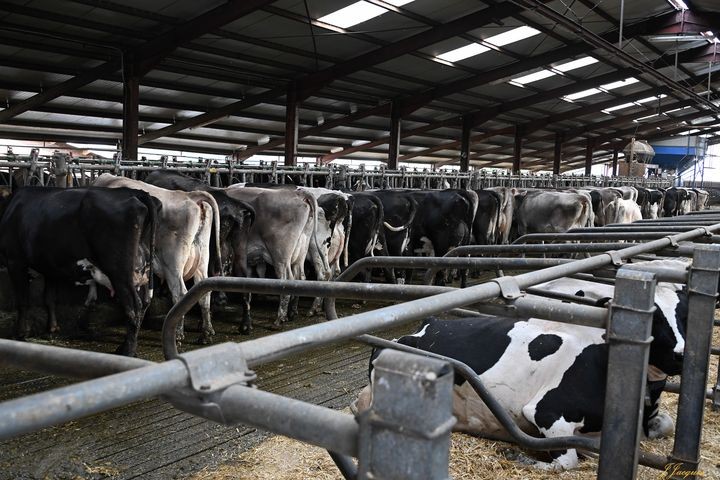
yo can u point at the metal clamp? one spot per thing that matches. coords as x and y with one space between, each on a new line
615 258
673 242
509 288
216 368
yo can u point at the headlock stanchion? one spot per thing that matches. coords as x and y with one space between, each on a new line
628 336
702 290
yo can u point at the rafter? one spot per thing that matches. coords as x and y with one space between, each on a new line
147 54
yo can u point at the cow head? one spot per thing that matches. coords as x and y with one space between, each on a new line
668 331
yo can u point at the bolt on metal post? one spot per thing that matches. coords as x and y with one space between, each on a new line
628 336
406 432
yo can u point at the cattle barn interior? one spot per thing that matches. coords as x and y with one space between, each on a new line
281 187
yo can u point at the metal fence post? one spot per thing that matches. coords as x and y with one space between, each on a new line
406 432
629 336
702 291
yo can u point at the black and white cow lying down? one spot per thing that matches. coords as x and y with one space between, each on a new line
549 376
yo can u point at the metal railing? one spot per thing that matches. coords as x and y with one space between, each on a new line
62 169
214 382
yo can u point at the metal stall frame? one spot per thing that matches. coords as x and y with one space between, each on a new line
62 165
212 381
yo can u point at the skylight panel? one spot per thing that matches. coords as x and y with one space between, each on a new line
575 64
646 117
463 52
689 132
619 107
533 77
512 36
358 12
678 4
650 99
583 94
500 40
619 83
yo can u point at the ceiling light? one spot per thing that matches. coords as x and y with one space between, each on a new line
689 132
336 149
357 143
358 12
677 109
502 39
263 140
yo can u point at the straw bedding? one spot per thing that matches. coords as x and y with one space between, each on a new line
280 458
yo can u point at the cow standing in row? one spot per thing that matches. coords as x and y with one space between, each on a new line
183 241
235 215
286 218
82 236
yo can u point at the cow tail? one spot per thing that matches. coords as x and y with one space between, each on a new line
312 201
150 230
206 197
585 212
377 227
413 211
348 226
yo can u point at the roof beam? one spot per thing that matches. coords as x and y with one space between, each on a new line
147 54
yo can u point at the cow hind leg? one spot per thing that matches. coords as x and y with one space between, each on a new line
50 298
206 328
134 309
246 322
21 285
177 291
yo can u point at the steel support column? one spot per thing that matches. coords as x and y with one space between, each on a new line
406 432
558 153
702 288
517 151
629 336
131 112
292 117
615 162
395 133
588 157
467 125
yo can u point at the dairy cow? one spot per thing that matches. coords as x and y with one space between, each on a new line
234 214
552 212
285 218
399 210
622 211
549 376
81 236
183 241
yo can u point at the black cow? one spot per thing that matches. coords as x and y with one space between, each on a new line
234 214
487 217
399 208
81 236
674 199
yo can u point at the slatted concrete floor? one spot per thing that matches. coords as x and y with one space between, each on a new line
152 440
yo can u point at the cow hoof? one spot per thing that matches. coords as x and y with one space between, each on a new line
54 329
275 326
125 351
245 329
204 340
